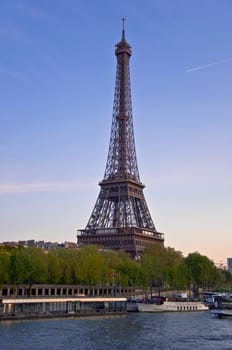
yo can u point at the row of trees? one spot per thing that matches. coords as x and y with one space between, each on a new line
159 267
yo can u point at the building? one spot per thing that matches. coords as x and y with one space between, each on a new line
229 264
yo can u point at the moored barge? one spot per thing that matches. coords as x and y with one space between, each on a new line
19 308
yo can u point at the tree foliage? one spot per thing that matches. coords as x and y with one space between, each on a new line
4 266
158 267
203 271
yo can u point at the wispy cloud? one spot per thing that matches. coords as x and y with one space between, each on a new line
13 31
198 174
36 13
45 187
209 65
172 179
12 73
13 25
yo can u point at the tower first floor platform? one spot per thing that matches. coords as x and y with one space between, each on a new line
130 239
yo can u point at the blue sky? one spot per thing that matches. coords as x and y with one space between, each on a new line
57 73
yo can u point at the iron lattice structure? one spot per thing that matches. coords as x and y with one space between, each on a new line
121 218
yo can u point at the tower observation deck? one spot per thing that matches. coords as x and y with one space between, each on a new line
121 218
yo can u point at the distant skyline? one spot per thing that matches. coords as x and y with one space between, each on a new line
57 73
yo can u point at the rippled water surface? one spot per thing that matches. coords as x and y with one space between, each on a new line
133 331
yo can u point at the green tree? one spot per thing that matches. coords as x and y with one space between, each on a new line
181 277
131 273
224 276
203 271
54 274
65 266
36 266
18 266
153 264
28 265
172 259
91 268
4 266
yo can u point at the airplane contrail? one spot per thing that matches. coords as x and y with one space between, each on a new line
209 65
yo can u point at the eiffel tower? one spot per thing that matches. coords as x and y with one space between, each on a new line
120 218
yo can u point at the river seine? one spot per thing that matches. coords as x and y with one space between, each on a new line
134 331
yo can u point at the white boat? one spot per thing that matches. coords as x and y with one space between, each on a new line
221 313
222 306
132 304
172 306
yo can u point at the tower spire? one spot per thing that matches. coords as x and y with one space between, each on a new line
120 218
123 28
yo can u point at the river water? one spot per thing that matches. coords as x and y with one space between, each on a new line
135 331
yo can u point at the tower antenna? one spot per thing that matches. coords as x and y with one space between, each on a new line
123 28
